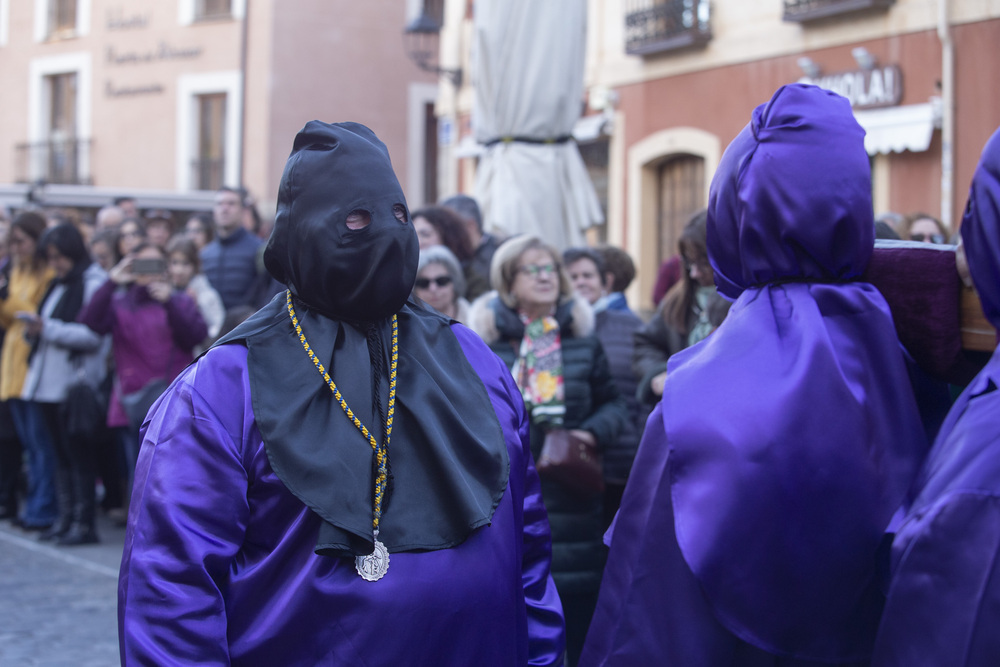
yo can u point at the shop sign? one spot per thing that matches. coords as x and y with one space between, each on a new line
115 90
866 89
117 19
163 51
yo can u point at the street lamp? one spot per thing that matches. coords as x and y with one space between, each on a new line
863 58
809 67
420 41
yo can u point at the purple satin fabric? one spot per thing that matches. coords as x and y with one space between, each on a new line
788 436
219 566
791 198
944 601
652 610
981 229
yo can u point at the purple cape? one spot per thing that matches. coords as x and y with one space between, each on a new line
219 566
752 525
944 600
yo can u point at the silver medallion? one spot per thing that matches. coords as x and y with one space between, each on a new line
373 566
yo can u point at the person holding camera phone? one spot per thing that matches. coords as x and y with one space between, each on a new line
153 328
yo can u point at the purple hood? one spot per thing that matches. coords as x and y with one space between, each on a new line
981 230
783 494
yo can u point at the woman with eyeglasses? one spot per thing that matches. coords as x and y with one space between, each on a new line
923 228
545 335
440 283
690 311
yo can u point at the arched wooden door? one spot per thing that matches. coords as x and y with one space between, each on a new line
681 193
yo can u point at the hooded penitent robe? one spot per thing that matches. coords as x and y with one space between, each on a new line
944 600
751 529
254 491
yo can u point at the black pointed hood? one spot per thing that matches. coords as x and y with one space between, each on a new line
353 275
448 459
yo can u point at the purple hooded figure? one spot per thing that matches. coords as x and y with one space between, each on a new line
752 528
345 479
944 600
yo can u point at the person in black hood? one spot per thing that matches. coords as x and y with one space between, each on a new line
339 431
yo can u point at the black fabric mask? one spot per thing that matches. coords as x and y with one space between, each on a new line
447 457
352 275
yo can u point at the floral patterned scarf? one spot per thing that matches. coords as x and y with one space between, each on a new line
539 371
703 299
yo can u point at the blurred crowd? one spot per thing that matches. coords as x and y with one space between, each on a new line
106 312
98 315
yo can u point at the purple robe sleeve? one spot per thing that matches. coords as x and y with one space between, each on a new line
546 639
943 606
188 520
546 628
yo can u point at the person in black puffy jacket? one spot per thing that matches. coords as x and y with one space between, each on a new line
545 335
616 330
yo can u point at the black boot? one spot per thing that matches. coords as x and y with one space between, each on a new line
84 530
78 535
64 496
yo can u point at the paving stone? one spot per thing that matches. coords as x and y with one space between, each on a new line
59 603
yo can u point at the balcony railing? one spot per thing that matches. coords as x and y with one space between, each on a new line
655 26
62 161
208 173
801 11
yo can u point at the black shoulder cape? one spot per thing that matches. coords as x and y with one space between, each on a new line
447 453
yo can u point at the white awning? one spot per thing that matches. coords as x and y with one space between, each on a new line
468 147
898 129
589 128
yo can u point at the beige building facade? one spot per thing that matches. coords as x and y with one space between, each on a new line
166 100
671 82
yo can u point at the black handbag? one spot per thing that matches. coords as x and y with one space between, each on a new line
138 403
85 410
571 461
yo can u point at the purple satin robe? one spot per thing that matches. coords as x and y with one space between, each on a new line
219 566
751 529
944 600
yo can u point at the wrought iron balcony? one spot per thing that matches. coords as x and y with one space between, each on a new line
655 26
802 11
62 161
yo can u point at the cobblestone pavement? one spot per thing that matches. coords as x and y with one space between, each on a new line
58 604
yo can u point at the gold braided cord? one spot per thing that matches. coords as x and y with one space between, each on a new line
381 452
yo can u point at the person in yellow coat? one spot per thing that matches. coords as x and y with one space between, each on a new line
21 290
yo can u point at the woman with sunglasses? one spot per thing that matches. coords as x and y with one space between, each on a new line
923 228
545 335
440 283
